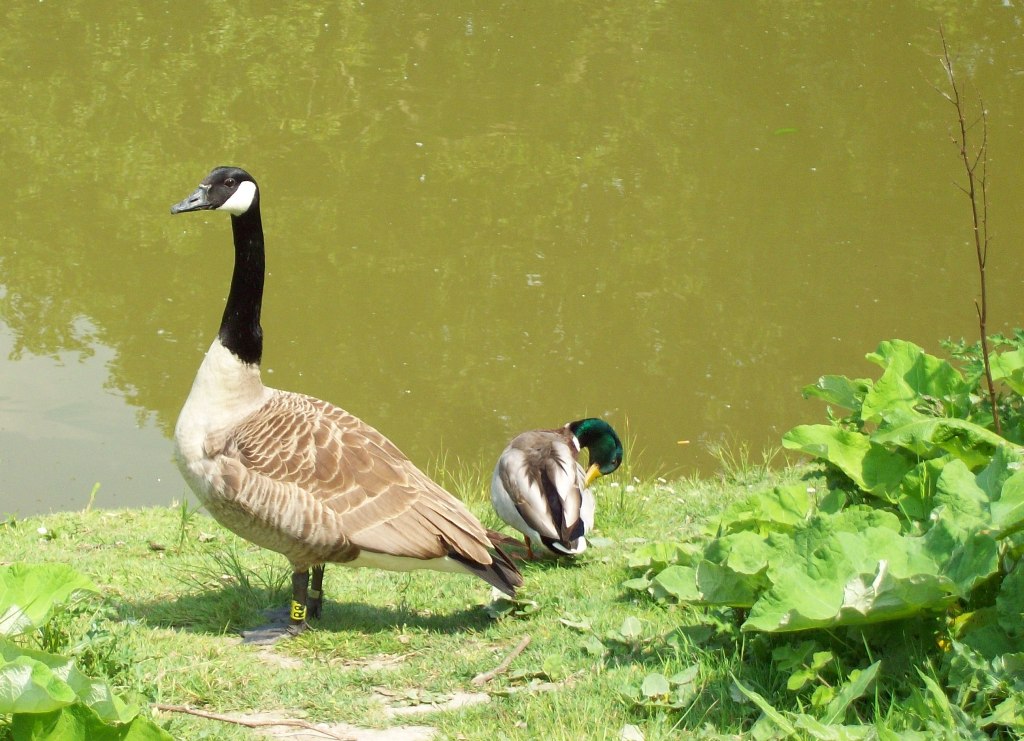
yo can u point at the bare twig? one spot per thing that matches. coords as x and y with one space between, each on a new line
503 666
248 723
976 167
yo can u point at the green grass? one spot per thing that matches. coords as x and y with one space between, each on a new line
179 588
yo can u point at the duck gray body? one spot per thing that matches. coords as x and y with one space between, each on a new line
539 487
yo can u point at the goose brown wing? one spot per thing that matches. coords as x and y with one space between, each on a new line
371 495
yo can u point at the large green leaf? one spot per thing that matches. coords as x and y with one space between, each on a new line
1010 603
1004 465
721 585
744 552
29 686
917 489
913 379
959 502
796 601
856 568
870 466
677 581
891 401
38 682
1008 367
846 392
959 537
971 562
1008 507
659 555
780 509
929 436
80 723
30 593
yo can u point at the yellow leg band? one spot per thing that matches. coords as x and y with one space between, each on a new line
298 612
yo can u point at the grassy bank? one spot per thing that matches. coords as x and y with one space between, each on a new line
392 650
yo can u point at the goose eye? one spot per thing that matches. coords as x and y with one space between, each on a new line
230 182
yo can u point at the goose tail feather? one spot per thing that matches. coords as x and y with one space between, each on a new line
501 573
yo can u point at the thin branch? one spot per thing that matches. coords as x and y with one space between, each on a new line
503 666
249 723
976 191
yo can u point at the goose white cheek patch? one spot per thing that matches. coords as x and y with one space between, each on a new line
242 198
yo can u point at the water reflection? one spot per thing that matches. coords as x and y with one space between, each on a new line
482 220
63 432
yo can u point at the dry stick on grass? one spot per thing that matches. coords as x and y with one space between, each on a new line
977 188
503 666
249 723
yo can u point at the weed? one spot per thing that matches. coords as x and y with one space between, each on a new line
186 523
737 465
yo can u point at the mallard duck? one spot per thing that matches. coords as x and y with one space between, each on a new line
540 489
298 475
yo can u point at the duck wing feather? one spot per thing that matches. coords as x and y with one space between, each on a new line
540 474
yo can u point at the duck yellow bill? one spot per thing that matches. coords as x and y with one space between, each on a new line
592 473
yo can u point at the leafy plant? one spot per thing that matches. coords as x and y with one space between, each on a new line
921 519
928 502
45 694
658 691
1007 367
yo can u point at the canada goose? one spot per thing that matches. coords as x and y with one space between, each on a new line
298 475
539 488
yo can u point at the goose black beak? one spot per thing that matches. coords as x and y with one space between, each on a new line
198 201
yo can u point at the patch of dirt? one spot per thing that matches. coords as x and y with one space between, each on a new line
333 731
399 704
279 725
381 662
272 657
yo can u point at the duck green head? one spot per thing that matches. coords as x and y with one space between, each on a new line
604 446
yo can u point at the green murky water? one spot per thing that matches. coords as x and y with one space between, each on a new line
484 218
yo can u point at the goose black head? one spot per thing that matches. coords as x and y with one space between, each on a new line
605 448
229 189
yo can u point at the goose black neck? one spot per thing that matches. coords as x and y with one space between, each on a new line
240 330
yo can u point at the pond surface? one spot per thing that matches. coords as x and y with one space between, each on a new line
486 218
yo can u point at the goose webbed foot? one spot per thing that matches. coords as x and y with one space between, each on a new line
277 628
295 629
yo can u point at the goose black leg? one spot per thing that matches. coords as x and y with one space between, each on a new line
315 598
297 615
285 624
